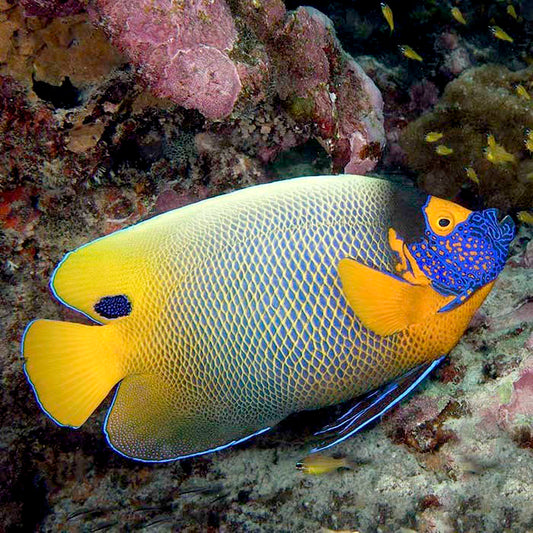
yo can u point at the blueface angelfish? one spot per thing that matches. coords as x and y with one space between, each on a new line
221 318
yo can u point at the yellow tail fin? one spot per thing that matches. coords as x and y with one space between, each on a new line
72 367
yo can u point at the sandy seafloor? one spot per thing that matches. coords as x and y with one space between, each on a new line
457 456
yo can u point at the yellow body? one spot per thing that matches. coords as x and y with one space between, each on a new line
500 34
512 11
387 13
521 91
318 464
496 153
242 312
442 149
528 141
471 174
408 52
525 216
457 15
433 136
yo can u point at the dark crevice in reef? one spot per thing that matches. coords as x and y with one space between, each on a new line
64 96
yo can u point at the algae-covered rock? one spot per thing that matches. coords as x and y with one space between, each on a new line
481 102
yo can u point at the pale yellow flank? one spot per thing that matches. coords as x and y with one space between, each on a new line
526 217
521 91
442 149
528 141
500 34
433 136
317 464
408 52
471 174
387 13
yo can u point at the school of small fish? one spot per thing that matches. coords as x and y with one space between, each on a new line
456 13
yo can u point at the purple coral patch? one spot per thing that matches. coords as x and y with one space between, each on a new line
180 48
51 8
202 78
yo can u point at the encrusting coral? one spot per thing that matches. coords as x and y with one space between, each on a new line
298 65
52 49
482 102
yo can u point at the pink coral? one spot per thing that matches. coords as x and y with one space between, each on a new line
347 105
181 47
191 53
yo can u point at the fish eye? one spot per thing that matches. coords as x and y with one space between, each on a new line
443 222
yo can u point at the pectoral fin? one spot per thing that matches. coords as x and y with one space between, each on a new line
384 303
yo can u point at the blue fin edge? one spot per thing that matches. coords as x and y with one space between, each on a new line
31 383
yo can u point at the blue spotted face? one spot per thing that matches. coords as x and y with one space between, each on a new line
461 250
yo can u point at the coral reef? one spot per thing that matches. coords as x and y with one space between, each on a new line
210 67
482 101
52 50
182 49
88 147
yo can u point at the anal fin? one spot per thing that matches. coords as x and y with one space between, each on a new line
373 405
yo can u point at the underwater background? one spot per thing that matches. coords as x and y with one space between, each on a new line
113 111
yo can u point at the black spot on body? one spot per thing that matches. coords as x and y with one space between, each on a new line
113 306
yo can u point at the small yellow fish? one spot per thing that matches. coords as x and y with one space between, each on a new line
496 153
317 464
387 13
443 150
472 175
500 34
512 11
528 141
457 15
408 52
433 136
521 91
525 216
